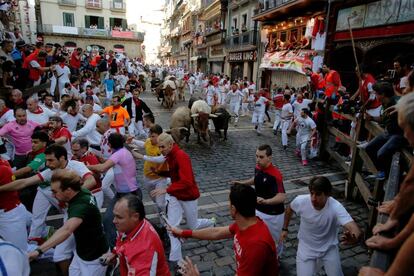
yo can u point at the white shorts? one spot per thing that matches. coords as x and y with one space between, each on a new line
79 267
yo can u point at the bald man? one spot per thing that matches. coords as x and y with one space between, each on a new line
87 131
36 113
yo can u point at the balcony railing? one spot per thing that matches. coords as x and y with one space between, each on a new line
243 39
71 3
47 28
93 4
270 4
118 6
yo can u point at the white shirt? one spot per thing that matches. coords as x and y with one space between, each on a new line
305 125
78 167
260 105
62 73
235 96
105 149
286 111
96 107
299 106
72 121
40 118
87 130
95 98
14 260
7 117
318 229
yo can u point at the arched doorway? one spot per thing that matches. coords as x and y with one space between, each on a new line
343 61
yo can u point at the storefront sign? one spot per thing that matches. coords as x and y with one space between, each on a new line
377 13
291 61
243 56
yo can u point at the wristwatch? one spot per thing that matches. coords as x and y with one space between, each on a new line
39 251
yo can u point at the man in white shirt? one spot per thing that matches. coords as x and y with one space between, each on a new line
36 113
286 118
320 217
235 96
72 117
62 73
306 128
87 131
6 114
259 112
245 100
299 104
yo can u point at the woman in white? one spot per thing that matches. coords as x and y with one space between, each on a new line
306 128
235 97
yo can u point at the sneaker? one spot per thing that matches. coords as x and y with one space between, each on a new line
284 147
304 162
380 176
297 152
214 221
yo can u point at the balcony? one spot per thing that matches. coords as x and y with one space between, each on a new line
102 33
269 9
93 4
118 6
70 3
241 40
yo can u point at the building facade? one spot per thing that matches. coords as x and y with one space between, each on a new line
293 35
88 24
241 41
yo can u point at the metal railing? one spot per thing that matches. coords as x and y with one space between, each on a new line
242 39
71 3
93 4
48 28
119 6
271 4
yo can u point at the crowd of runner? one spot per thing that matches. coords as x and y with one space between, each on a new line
73 145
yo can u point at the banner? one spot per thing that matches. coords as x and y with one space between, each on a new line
95 32
65 30
295 61
122 34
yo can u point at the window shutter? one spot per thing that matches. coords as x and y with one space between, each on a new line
87 21
101 24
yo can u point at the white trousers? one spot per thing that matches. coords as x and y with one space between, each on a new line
301 144
53 83
309 266
99 196
191 88
151 184
223 99
234 110
107 181
13 226
109 94
278 119
244 108
175 210
285 127
275 225
79 267
257 120
136 128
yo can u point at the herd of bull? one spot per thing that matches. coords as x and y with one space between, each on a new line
197 114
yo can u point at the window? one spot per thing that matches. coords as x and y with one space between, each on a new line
94 22
68 19
235 27
244 22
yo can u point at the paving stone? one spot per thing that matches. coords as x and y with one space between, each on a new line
224 261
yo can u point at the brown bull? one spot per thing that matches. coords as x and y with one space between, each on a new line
200 124
168 97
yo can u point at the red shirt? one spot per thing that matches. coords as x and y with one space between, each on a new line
34 73
183 185
363 88
75 61
255 250
90 159
8 200
332 83
61 132
278 101
138 249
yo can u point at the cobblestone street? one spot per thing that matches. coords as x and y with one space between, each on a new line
235 159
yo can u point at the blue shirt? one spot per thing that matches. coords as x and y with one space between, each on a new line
109 84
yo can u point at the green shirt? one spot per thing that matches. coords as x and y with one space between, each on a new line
89 236
38 164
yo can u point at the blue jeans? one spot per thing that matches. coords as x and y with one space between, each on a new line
382 148
109 227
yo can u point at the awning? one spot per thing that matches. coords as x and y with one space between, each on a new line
216 59
295 61
195 58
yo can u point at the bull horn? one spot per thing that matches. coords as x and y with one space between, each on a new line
194 115
218 114
213 116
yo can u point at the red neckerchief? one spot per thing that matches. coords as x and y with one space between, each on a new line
33 154
4 111
19 101
39 110
137 101
299 101
62 65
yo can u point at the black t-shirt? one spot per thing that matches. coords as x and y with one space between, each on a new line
269 182
89 236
